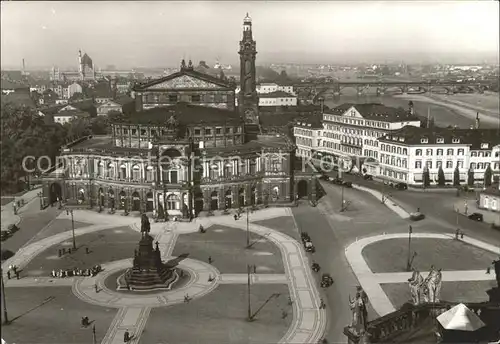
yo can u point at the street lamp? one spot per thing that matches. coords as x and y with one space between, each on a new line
408 263
342 200
70 211
40 195
5 316
249 306
94 341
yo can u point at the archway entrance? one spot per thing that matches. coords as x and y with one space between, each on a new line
136 201
55 193
101 197
241 197
302 189
228 199
214 201
149 202
123 200
111 199
253 197
198 202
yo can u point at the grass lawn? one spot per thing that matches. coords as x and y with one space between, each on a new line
220 317
391 255
105 246
283 224
55 322
226 246
469 291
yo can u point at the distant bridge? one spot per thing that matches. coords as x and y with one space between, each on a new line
312 91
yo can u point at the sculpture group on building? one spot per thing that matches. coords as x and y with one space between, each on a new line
359 311
425 290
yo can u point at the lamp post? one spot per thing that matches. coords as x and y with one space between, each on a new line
408 263
94 341
342 200
40 195
248 230
249 305
70 211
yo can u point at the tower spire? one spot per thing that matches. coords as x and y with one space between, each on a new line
248 101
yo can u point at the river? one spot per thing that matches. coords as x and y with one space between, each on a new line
445 113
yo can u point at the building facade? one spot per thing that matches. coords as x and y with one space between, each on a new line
278 98
185 149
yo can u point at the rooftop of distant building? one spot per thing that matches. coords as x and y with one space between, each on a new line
376 112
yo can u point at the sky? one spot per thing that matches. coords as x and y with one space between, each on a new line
160 34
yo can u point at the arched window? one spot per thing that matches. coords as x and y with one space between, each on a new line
136 173
275 164
449 151
172 202
100 169
228 169
123 171
418 152
399 150
405 151
214 170
460 151
149 174
472 165
253 166
110 170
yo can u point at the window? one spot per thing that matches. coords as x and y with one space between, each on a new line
461 151
449 164
473 165
197 132
473 153
172 202
228 170
424 140
218 131
439 164
228 130
149 174
252 167
429 164
449 151
405 151
275 164
439 152
123 172
196 98
136 172
428 151
455 140
460 164
418 152
208 131
439 140
418 164
174 179
172 98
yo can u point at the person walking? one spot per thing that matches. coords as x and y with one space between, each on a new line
126 336
8 274
209 259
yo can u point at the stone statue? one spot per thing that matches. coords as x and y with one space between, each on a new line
415 284
145 225
359 312
172 123
496 265
432 285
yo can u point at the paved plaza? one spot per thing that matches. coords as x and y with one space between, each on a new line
281 274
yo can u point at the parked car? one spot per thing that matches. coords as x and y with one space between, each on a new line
476 217
347 184
6 254
401 186
12 229
417 216
5 235
337 181
324 177
368 177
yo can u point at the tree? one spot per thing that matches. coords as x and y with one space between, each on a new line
426 177
470 177
456 177
488 176
77 96
441 178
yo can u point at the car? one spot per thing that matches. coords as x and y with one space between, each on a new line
368 177
324 177
417 216
5 235
347 184
401 186
338 181
476 217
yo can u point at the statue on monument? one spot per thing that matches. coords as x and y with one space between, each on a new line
145 225
432 285
496 265
359 311
415 283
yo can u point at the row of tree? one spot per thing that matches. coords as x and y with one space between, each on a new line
24 133
441 180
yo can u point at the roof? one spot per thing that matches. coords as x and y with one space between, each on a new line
102 90
186 114
272 142
103 143
83 105
461 318
87 61
10 85
123 100
186 71
72 113
311 122
52 110
277 94
376 112
474 137
277 120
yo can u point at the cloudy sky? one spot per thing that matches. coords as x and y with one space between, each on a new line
128 34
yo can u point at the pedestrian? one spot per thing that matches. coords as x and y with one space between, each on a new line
255 269
87 251
322 304
235 217
456 233
96 288
210 260
284 314
17 274
210 278
14 268
462 235
69 250
59 253
63 251
290 302
126 336
488 270
186 298
8 274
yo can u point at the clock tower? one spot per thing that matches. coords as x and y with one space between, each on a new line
248 100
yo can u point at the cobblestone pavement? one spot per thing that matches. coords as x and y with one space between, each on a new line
371 282
309 322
